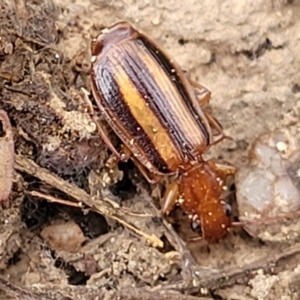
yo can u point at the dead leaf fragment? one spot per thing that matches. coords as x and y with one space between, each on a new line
6 156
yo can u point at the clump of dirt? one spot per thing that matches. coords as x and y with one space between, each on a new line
78 225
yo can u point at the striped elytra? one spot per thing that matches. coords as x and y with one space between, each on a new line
155 111
152 102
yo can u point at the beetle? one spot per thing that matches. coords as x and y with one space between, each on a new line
159 116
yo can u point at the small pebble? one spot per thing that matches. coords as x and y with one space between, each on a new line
269 186
63 236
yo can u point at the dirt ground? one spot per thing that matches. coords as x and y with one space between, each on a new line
74 226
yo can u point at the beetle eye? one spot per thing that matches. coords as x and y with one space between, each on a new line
195 226
227 209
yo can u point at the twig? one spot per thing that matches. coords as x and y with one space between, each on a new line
232 275
52 291
179 245
142 294
22 293
54 200
153 239
18 292
101 206
284 217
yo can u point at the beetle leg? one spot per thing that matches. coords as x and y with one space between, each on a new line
202 93
170 198
151 178
226 169
216 125
125 153
104 136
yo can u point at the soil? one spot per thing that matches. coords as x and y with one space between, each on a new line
78 226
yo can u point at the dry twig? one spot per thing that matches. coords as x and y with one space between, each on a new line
230 276
101 206
142 294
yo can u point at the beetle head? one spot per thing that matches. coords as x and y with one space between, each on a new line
202 189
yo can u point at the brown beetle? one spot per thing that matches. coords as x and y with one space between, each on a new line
157 113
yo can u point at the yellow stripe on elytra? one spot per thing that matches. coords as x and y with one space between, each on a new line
139 109
185 119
